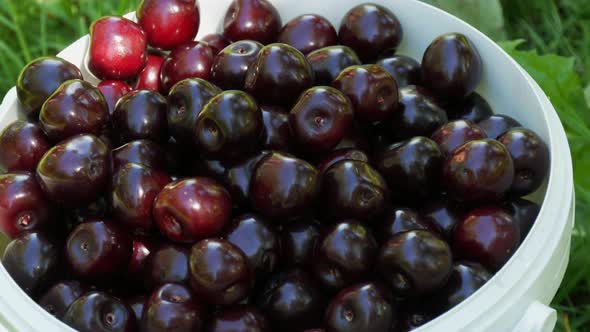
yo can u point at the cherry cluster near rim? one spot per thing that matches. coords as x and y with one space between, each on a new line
275 176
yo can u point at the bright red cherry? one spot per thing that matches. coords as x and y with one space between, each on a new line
149 78
169 23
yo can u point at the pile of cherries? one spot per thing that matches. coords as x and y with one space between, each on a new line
269 178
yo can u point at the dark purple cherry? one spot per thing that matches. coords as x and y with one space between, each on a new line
497 124
252 20
320 119
149 78
524 213
277 134
531 159
185 101
113 91
97 209
412 168
404 69
370 29
452 66
353 189
231 64
372 91
141 115
279 74
465 279
298 242
416 313
330 61
308 33
75 171
473 108
292 301
31 260
172 307
219 272
443 214
23 207
39 80
363 307
479 171
143 247
419 114
167 264
190 60
339 155
75 108
215 169
456 133
57 299
344 255
137 304
230 126
355 138
141 152
239 318
283 186
237 178
22 144
487 235
133 191
98 249
399 220
100 312
415 262
216 41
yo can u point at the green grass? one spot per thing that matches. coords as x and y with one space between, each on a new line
32 28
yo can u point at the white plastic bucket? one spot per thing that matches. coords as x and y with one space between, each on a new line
516 298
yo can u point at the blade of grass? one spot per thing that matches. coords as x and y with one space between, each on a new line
19 33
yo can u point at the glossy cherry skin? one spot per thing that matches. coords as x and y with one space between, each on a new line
524 213
98 249
170 23
370 29
75 171
57 299
531 159
419 114
167 264
185 101
399 220
256 20
172 307
237 178
22 144
298 242
113 91
308 33
372 91
76 107
292 301
141 115
238 318
415 262
118 49
345 255
149 78
353 189
190 60
279 74
219 272
479 171
23 207
100 312
497 124
487 235
133 191
283 186
216 41
143 247
39 80
456 133
231 64
277 133
141 152
452 66
473 108
443 214
31 260
229 127
192 209
136 304
330 61
339 155
412 167
465 279
404 69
